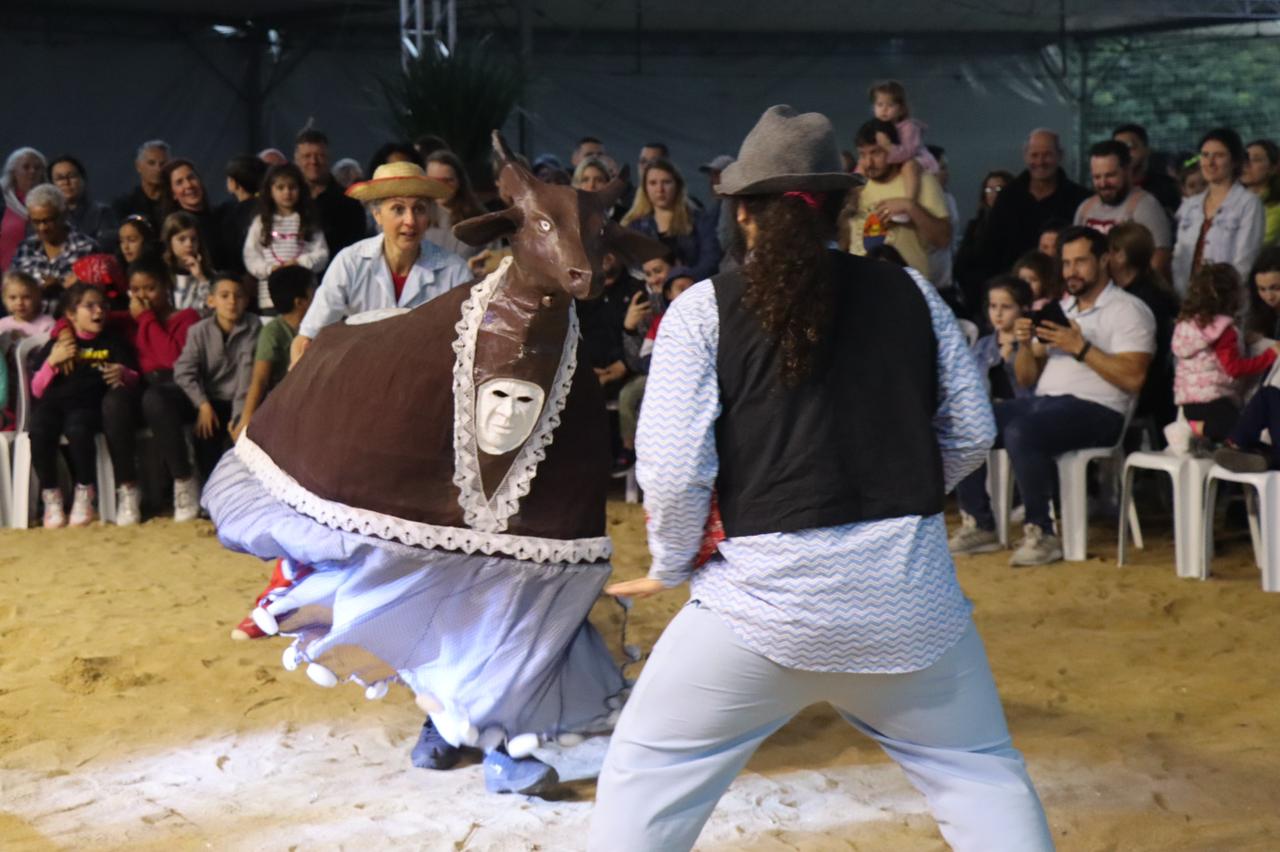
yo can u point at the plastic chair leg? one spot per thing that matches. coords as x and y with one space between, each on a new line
1126 508
106 478
1074 523
632 487
1269 497
23 483
6 479
1000 489
1210 506
1255 534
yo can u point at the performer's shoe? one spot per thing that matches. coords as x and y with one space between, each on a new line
434 751
527 776
248 628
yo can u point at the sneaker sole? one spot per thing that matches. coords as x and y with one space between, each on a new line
1017 563
981 548
542 785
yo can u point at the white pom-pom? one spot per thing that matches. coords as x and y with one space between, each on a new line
523 745
428 703
277 606
289 659
377 691
266 621
321 676
570 739
490 739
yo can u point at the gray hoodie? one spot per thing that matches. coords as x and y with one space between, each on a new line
211 367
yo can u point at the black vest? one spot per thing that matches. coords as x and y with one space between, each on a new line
855 441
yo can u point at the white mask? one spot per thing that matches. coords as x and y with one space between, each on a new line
506 412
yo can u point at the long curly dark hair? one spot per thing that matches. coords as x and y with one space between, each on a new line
306 208
788 276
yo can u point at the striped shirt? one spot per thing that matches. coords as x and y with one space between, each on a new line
872 596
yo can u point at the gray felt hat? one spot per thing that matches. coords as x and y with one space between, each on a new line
788 152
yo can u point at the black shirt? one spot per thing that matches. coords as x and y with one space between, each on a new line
341 218
1018 216
601 320
136 203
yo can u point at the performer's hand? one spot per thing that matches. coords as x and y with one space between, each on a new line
640 588
299 345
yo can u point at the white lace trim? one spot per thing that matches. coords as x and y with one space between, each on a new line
492 514
285 488
375 315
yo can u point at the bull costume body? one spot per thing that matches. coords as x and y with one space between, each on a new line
441 473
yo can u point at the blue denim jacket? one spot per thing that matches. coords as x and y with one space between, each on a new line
1235 237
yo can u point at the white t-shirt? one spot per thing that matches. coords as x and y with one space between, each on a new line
1139 206
1117 322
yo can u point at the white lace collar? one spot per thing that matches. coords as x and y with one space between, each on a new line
492 514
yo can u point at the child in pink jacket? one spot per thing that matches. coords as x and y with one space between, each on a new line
1206 344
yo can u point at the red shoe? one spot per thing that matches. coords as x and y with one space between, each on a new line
247 628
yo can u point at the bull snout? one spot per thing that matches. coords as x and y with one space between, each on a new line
579 282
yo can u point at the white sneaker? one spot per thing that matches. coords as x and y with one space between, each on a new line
83 511
970 539
186 499
128 506
54 517
1037 548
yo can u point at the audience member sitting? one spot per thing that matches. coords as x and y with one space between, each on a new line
291 289
1226 222
1041 193
884 214
601 324
341 218
134 238
21 296
188 263
1245 450
662 210
590 175
394 152
396 268
1086 376
643 313
23 171
347 171
272 157
235 215
215 366
460 203
284 232
1008 300
1262 321
588 148
1040 272
969 265
1261 176
48 254
147 198
1207 347
94 220
1047 241
1116 200
186 193
1131 249
75 375
1154 181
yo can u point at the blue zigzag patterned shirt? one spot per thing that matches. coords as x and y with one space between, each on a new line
873 596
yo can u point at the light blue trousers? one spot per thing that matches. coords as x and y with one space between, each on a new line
705 702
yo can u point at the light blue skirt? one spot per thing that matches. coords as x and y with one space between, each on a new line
493 647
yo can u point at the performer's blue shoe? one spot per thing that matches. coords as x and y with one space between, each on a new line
526 775
434 751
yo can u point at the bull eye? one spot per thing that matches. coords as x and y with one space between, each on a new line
544 225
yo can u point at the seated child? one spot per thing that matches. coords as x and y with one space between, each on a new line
1038 270
68 389
21 295
291 289
187 262
1206 345
1008 300
213 369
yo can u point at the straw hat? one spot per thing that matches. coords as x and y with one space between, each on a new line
787 152
398 180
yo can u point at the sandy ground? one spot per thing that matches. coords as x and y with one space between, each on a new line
1146 706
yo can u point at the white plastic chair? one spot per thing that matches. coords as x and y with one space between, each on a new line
6 444
1188 474
25 483
1073 470
1263 502
1000 488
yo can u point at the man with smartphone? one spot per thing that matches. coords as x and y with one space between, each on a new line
1087 362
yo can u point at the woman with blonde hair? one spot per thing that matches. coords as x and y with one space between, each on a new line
662 210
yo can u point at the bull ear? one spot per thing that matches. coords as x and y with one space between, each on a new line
482 230
633 246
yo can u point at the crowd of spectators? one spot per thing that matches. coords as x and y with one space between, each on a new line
1087 306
